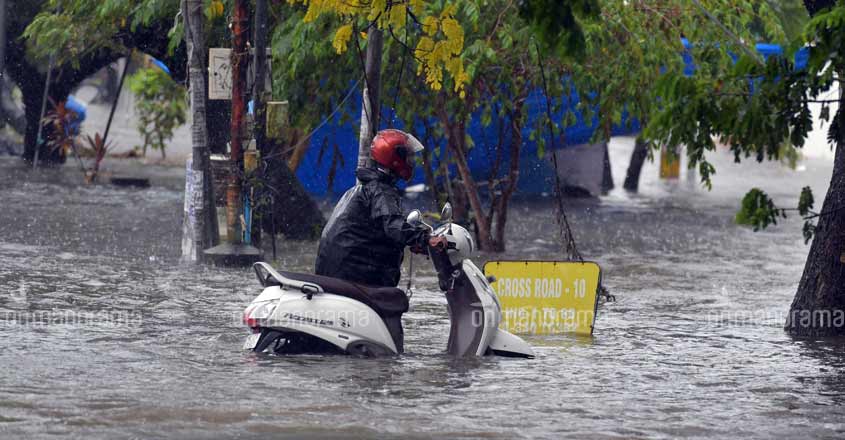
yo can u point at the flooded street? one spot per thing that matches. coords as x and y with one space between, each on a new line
106 335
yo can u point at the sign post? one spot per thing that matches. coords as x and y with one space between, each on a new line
546 297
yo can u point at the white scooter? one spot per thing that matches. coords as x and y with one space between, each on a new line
304 313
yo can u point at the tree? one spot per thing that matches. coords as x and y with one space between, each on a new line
754 105
73 30
615 61
437 51
81 37
501 69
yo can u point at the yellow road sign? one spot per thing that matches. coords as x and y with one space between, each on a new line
670 163
546 297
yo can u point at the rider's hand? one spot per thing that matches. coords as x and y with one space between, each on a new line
438 242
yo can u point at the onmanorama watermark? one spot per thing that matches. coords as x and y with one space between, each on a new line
544 320
556 320
817 318
342 319
107 318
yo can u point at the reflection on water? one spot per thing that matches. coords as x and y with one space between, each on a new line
106 335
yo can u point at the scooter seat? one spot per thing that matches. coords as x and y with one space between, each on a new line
386 301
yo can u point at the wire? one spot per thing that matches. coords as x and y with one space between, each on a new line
307 138
401 70
563 224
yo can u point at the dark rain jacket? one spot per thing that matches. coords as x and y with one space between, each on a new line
364 240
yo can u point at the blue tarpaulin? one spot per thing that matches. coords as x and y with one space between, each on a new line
328 166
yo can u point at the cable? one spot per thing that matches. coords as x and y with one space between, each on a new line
564 229
307 138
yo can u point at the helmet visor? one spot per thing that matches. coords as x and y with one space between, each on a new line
413 143
413 146
411 161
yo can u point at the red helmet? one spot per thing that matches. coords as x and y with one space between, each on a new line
394 150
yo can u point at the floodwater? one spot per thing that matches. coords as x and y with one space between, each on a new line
106 335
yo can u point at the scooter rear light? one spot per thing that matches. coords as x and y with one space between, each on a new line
250 322
257 312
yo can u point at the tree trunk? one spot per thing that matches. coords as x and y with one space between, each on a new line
292 211
370 104
607 176
456 138
500 207
199 230
819 305
638 157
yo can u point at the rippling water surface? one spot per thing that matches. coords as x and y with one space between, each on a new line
105 335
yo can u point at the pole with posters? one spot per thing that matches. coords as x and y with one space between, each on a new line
234 251
199 227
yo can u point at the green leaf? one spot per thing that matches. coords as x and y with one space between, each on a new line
805 202
758 210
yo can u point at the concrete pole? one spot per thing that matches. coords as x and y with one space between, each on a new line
199 229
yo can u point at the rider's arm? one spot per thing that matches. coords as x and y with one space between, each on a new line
387 212
400 231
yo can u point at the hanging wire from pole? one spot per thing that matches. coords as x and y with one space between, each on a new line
401 70
43 110
326 120
367 85
563 223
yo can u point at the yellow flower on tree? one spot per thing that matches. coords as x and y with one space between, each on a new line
438 50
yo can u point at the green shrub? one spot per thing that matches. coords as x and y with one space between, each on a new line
161 105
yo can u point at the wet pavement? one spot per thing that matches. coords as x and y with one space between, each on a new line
106 335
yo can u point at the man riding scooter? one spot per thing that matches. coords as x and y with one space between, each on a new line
364 240
365 237
352 304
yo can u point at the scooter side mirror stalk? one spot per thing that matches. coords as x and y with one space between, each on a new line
415 218
446 213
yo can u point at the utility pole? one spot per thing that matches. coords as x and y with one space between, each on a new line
199 228
260 60
259 108
240 59
234 252
370 107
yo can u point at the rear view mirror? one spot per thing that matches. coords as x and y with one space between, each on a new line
446 214
414 217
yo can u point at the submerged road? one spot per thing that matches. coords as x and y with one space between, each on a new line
105 335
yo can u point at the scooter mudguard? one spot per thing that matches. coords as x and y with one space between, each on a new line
509 345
